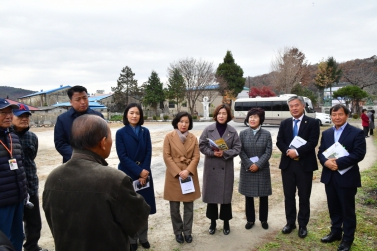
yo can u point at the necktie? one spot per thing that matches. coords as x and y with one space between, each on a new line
295 129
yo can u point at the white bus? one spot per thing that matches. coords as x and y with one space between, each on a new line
276 108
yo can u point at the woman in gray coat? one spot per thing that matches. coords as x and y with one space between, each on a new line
218 174
255 178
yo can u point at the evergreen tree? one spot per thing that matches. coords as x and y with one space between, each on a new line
230 76
328 73
351 94
126 87
176 88
153 91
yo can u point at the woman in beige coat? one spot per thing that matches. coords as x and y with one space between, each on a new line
181 156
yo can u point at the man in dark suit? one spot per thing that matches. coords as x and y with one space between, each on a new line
341 176
297 164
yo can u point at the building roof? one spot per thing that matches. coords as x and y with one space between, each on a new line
208 87
31 108
99 97
92 105
47 92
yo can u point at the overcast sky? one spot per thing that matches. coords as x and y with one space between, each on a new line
45 44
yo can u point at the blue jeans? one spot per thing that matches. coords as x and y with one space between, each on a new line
11 223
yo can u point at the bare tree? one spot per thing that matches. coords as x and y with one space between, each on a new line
288 68
361 77
198 76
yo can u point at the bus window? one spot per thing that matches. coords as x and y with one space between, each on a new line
248 105
284 106
265 105
276 105
238 106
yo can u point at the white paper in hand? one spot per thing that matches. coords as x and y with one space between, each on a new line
297 142
187 185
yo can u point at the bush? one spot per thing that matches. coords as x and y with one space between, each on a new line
355 116
145 117
194 117
210 115
154 117
116 118
166 117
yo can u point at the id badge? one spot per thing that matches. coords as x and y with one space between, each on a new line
13 164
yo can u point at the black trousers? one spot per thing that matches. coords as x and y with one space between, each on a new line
366 130
370 131
341 203
32 225
294 177
213 211
250 209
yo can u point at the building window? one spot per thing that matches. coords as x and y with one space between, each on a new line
171 104
184 104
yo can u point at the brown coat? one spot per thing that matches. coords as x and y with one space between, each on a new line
179 157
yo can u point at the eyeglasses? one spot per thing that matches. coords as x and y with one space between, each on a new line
6 113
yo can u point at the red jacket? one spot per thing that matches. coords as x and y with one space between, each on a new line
364 120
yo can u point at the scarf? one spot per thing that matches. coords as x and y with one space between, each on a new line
182 136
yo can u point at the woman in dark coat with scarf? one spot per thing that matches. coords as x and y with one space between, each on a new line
218 174
134 149
255 177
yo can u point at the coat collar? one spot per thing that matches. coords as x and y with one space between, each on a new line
88 155
178 143
345 132
131 132
214 134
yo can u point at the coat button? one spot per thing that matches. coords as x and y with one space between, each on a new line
213 168
222 168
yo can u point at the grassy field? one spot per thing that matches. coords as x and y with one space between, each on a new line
366 232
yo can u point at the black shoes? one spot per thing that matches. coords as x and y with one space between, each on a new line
345 246
133 247
249 225
145 245
331 237
211 230
302 232
264 224
226 228
188 238
288 228
179 238
226 231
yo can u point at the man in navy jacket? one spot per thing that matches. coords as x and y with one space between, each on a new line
78 97
341 176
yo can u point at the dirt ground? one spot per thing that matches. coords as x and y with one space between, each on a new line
161 235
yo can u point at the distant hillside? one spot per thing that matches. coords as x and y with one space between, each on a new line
13 93
356 70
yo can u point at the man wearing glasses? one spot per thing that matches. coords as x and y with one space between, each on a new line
13 190
78 97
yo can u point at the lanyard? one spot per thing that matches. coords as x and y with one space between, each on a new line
11 146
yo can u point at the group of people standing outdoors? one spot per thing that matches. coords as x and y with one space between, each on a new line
85 201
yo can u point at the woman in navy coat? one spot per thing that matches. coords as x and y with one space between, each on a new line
134 149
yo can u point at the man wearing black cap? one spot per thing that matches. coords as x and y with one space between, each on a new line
29 142
13 190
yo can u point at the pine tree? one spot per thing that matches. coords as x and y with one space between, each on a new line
126 87
230 76
153 91
176 88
